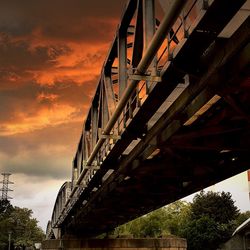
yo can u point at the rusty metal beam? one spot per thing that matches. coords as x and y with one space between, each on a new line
156 42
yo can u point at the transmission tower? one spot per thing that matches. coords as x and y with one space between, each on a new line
5 188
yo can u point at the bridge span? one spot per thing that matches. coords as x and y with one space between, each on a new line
169 117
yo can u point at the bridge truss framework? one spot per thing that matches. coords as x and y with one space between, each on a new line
170 114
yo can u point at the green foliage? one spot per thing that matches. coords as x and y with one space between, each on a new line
5 211
177 215
202 234
211 220
206 223
150 225
19 222
164 221
241 218
206 234
218 206
5 207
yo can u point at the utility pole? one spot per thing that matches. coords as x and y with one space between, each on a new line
9 240
5 187
248 179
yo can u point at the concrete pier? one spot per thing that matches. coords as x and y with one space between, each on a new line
168 243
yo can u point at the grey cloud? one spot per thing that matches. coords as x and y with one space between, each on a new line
49 137
19 55
12 101
43 153
59 18
72 93
24 98
46 153
37 164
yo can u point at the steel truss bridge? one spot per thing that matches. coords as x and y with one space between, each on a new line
170 115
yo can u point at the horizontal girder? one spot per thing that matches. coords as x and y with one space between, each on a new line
169 116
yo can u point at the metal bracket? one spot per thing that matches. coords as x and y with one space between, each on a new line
114 137
144 78
186 79
131 30
82 185
186 33
114 70
92 167
205 5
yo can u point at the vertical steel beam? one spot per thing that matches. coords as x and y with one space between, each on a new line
166 24
148 21
78 161
110 96
138 37
86 145
122 60
94 125
57 210
63 196
105 111
75 175
60 204
149 28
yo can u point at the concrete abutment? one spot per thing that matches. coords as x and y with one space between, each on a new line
168 243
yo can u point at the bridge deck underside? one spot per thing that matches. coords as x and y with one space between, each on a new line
175 159
215 147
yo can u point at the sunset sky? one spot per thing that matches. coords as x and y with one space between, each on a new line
51 53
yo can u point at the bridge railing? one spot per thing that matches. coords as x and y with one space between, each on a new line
60 204
144 81
142 48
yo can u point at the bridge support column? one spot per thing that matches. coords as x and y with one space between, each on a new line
149 31
168 243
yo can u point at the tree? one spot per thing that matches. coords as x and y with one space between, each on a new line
5 207
19 222
211 220
151 225
206 223
202 234
164 221
241 218
218 206
5 211
177 215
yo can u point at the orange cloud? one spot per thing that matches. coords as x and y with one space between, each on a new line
50 61
45 117
50 97
79 66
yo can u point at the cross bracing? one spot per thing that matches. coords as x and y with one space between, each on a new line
169 115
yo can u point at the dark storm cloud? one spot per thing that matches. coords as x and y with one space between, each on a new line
60 19
11 145
34 35
12 101
49 143
39 165
71 93
31 97
51 53
34 155
18 54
